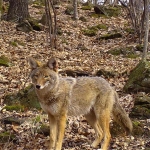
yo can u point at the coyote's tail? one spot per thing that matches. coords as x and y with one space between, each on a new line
120 116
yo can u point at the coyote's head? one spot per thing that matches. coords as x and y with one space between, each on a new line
44 75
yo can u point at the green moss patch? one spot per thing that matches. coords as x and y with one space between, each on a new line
4 61
69 10
107 11
83 19
25 99
14 107
91 31
129 30
139 79
88 7
110 36
16 42
129 52
113 11
140 47
6 137
138 128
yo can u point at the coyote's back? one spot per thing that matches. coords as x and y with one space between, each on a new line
92 97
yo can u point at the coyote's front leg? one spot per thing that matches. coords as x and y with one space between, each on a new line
53 131
61 129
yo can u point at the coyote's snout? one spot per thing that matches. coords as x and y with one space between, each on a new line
92 97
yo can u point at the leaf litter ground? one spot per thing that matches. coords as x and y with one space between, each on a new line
71 55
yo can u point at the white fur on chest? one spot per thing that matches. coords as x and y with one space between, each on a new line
52 109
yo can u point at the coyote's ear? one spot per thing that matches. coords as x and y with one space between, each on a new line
33 63
53 64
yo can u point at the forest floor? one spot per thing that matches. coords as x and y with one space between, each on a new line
92 58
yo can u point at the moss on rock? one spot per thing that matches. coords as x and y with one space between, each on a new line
16 107
91 31
82 18
107 11
88 7
69 10
4 61
138 128
26 98
110 36
138 76
128 52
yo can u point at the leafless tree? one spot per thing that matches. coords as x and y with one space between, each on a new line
146 19
75 9
136 12
1 2
51 21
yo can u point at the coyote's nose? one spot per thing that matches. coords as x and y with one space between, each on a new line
38 86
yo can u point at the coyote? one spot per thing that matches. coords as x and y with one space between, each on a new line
92 97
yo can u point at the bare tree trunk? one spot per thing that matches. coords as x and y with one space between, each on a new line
18 10
146 5
75 9
1 2
115 2
51 22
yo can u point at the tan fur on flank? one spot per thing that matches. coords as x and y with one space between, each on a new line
92 97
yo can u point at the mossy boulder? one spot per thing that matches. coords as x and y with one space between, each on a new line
16 107
141 107
87 7
44 129
139 79
89 32
129 52
113 11
25 99
83 19
106 73
4 61
140 47
92 31
138 128
108 11
110 36
69 10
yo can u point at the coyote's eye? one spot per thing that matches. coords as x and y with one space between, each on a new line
46 76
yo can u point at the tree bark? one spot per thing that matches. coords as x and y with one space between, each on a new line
146 6
1 9
75 9
18 10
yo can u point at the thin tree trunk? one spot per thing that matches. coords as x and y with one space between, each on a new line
1 2
51 22
75 9
146 6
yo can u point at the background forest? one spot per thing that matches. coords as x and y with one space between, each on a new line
108 39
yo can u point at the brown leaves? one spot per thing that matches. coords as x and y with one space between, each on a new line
76 52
